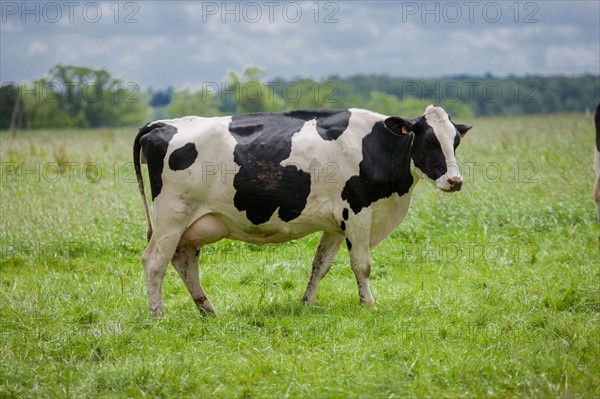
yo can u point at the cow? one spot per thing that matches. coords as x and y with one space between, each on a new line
250 177
596 192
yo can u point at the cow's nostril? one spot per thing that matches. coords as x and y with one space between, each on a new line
455 183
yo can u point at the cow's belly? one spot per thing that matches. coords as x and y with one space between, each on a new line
263 235
213 227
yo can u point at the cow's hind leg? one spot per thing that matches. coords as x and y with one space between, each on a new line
155 260
171 217
185 262
326 251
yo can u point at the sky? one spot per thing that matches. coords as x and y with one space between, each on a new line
190 43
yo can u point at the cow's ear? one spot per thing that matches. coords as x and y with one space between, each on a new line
397 125
462 129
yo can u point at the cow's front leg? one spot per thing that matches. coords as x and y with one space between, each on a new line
360 261
185 262
328 247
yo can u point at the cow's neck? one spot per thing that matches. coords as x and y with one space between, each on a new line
400 158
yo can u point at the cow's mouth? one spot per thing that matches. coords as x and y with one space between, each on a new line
453 189
452 185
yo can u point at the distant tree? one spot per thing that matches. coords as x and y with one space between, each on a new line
43 109
161 98
74 96
306 93
458 110
463 96
200 103
487 95
250 94
338 94
387 104
413 107
9 95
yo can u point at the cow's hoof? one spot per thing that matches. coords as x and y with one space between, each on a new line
157 313
208 310
205 306
368 304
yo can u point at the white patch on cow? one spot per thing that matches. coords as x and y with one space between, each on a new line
445 132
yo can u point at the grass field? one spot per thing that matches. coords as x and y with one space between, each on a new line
490 292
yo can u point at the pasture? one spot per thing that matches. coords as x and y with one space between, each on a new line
490 292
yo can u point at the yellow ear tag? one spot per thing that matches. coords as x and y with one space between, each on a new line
404 130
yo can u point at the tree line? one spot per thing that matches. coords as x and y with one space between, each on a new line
81 97
72 97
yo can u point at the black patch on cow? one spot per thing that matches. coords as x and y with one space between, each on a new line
345 213
456 141
154 145
383 171
349 244
264 140
182 158
343 225
427 152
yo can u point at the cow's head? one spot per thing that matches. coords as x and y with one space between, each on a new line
435 140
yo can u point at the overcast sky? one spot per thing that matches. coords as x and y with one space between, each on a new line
162 43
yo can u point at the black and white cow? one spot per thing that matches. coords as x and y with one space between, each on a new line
252 178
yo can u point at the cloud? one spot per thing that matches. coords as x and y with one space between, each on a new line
560 58
37 48
192 42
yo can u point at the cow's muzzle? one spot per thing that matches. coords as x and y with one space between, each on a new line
455 183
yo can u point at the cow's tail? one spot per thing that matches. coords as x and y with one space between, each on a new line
137 149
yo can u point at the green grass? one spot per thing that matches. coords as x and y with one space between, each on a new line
490 292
